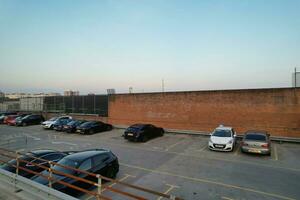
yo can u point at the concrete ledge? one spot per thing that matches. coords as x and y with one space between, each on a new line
28 189
204 133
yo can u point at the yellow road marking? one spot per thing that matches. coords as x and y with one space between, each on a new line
112 184
227 198
171 187
202 156
210 182
122 179
173 145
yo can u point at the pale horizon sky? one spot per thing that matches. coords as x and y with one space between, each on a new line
89 46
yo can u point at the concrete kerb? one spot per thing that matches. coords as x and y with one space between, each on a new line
203 133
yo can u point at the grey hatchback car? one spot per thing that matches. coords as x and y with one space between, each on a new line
256 142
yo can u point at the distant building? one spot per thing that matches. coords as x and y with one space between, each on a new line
111 91
71 93
26 95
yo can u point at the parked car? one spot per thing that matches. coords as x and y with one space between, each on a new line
29 120
13 120
222 139
72 125
142 132
97 161
92 127
4 114
49 123
58 125
256 142
9 119
46 154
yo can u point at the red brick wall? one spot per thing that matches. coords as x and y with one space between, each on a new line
274 110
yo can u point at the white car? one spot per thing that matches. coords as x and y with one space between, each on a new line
222 139
49 123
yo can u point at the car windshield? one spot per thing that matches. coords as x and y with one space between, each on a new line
257 137
52 119
137 126
73 123
26 116
66 162
26 157
87 124
222 133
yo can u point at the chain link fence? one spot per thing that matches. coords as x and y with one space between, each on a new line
89 104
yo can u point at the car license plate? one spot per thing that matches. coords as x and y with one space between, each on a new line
78 131
254 151
130 134
220 146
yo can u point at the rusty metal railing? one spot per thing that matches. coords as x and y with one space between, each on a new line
98 195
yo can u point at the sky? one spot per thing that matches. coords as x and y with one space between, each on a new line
90 46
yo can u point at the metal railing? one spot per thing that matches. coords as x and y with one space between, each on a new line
51 179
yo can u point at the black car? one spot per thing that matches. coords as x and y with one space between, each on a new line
72 125
50 155
93 127
97 161
59 124
30 120
142 132
4 114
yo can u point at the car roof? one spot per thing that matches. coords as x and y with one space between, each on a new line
139 125
254 132
224 128
80 156
41 152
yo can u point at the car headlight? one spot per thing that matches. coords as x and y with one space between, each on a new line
210 141
230 142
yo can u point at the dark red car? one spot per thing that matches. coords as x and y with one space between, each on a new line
10 119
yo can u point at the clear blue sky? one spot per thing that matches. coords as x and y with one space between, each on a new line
54 45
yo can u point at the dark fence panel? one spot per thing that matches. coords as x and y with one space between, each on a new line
88 104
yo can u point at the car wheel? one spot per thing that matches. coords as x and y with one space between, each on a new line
24 124
112 172
144 138
161 132
109 128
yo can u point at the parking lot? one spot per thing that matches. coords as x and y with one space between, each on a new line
178 164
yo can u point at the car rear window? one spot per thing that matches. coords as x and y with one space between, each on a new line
255 137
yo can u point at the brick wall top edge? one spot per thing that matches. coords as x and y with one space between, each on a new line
271 90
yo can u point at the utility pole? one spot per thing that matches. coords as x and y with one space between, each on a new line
163 85
295 77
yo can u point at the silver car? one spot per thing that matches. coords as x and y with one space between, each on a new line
256 142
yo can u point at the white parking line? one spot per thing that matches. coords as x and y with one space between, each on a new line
173 145
61 142
212 182
227 198
237 149
122 179
35 138
171 187
203 148
275 152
